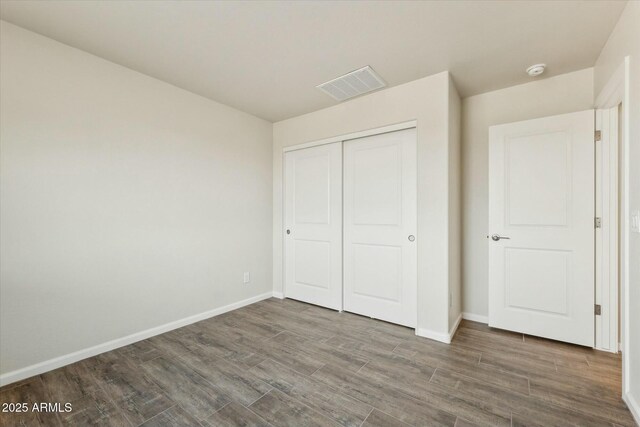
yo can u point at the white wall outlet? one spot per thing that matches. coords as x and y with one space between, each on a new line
247 277
635 222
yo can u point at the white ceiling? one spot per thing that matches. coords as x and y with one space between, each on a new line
266 58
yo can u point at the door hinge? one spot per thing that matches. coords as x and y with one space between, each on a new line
598 310
598 135
598 222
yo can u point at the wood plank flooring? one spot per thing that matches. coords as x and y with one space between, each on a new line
286 363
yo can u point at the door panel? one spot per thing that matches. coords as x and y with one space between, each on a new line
313 217
541 199
535 198
313 263
537 280
380 264
377 271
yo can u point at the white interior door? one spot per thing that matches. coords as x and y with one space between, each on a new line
541 225
380 257
313 225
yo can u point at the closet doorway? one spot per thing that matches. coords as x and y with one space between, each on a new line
351 225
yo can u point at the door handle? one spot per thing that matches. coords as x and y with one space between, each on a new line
411 237
496 237
288 231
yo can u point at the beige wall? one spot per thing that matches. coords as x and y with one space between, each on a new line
126 203
555 95
425 100
455 205
625 41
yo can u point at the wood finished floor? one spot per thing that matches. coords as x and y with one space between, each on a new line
286 363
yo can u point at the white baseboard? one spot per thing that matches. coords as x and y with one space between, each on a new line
633 406
432 335
614 350
454 328
278 295
475 318
58 362
440 336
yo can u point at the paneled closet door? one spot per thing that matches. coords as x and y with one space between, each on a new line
380 255
313 225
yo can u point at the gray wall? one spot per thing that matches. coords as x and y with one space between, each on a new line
126 203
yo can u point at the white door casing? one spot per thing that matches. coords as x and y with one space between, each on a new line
607 239
541 196
380 217
313 225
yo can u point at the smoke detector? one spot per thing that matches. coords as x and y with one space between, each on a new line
353 84
536 70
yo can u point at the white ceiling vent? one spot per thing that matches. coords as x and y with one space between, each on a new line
353 84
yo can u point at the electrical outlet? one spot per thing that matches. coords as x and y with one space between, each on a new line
635 222
247 277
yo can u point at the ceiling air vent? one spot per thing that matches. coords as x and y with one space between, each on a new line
353 84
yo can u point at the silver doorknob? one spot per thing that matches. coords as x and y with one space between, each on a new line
411 237
497 237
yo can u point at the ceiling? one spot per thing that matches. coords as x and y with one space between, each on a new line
266 58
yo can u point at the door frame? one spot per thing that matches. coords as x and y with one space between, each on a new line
606 234
616 92
340 139
353 135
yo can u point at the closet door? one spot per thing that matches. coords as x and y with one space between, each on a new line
313 225
380 256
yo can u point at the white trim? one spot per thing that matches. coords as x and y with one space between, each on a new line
283 227
633 405
617 91
454 328
432 335
278 295
353 135
439 336
606 192
476 318
58 362
625 230
612 93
